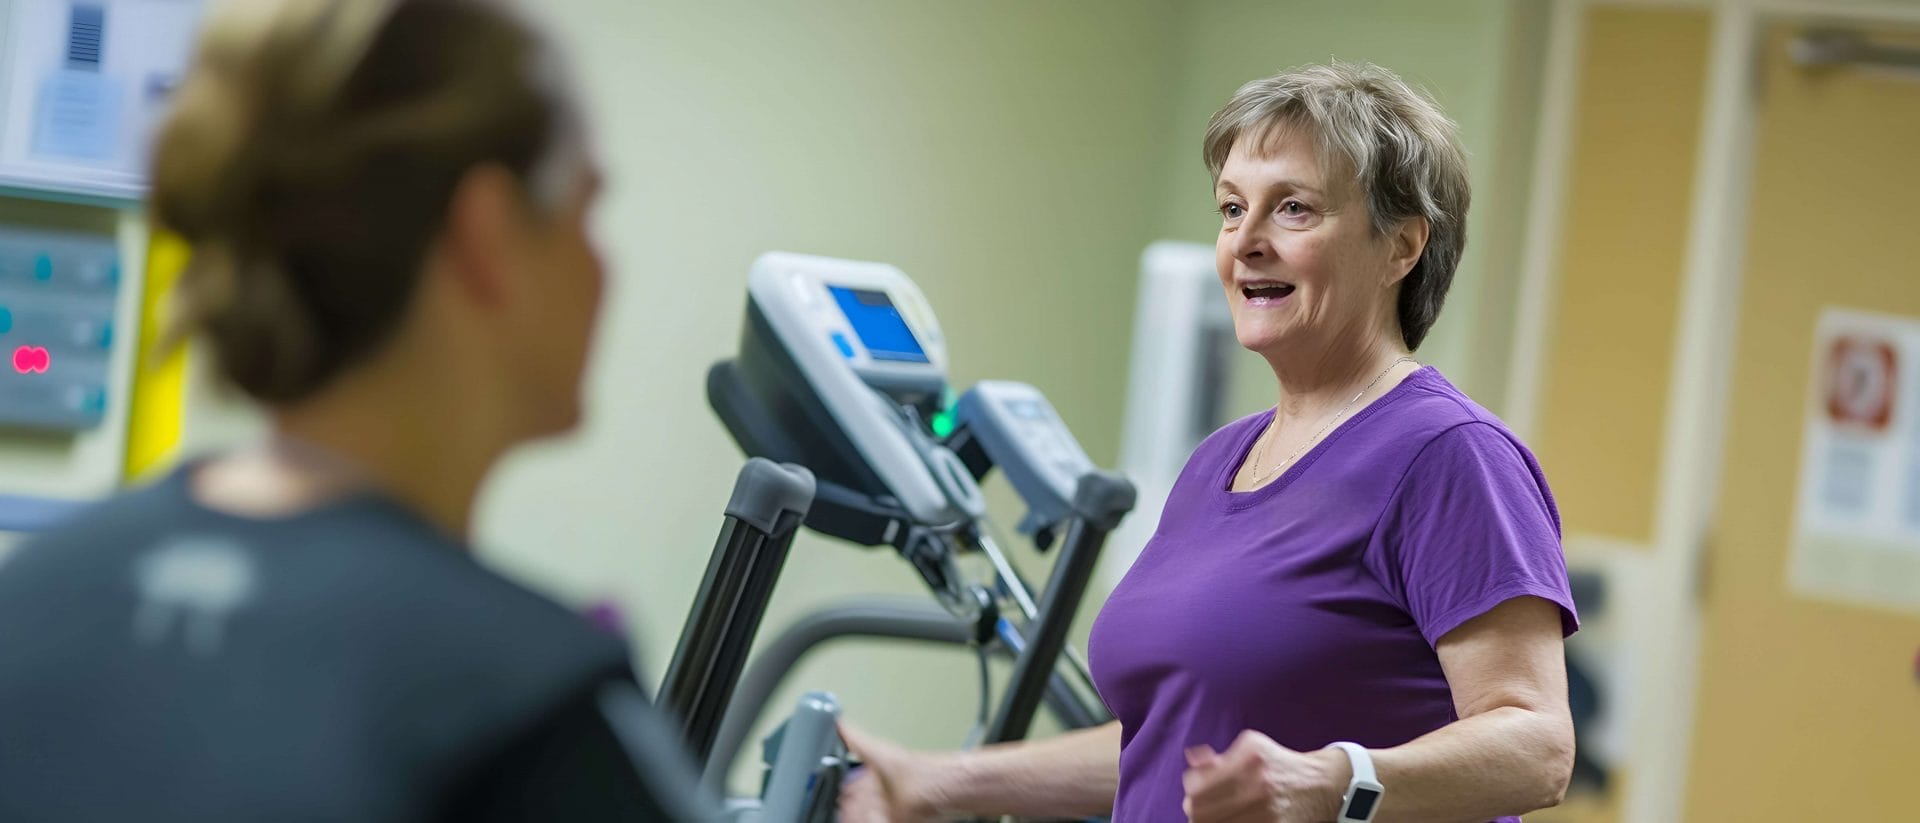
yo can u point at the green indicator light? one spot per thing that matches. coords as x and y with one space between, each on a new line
942 424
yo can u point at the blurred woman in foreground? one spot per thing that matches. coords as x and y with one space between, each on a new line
388 203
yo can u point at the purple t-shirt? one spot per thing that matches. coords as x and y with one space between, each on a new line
1308 609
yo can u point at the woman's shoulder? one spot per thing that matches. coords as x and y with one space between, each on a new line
98 535
1431 408
1448 436
1423 421
1419 410
310 578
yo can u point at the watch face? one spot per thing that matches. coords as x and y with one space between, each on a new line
1360 806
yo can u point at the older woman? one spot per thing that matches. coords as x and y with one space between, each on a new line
1354 606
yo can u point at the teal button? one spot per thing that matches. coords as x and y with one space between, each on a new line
6 320
106 335
43 268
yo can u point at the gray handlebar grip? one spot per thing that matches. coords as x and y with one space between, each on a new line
1102 499
765 490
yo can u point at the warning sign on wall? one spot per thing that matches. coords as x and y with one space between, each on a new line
1857 525
1861 374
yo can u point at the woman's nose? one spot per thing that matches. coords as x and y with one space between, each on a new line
1250 243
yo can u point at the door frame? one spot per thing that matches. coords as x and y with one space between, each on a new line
1665 575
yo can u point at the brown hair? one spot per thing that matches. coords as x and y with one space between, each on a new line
1393 139
308 160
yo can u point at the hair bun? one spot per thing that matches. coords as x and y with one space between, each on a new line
308 159
201 168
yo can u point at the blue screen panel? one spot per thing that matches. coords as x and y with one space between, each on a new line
880 327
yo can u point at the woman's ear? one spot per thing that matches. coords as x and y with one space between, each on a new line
483 221
1409 241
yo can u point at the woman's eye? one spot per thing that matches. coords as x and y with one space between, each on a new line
1293 208
1232 210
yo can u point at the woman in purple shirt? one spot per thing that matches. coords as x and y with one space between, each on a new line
1367 577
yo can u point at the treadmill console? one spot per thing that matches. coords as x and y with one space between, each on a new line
866 317
1016 429
852 350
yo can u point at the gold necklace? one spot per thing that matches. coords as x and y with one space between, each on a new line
1259 478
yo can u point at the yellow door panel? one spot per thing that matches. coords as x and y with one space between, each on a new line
1609 354
1807 710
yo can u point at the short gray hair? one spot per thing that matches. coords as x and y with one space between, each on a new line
1405 153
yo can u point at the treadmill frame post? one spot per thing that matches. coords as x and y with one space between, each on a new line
1100 500
769 502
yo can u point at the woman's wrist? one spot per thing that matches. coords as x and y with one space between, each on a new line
935 786
981 782
1072 775
1335 772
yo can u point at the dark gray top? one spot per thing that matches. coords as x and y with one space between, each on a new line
160 661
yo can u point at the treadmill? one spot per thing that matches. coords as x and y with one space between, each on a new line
842 377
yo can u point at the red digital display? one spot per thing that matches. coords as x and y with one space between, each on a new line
31 360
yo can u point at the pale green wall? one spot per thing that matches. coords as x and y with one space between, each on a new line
1014 157
1473 56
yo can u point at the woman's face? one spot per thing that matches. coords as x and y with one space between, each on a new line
1303 270
565 305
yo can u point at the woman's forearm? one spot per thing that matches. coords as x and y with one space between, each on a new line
1507 761
1073 774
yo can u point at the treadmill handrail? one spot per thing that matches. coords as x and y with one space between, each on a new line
872 617
763 516
1100 500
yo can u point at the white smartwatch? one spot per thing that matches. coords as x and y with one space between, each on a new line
1362 799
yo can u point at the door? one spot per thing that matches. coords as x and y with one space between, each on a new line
1808 709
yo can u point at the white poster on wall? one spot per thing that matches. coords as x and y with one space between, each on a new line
1857 522
82 85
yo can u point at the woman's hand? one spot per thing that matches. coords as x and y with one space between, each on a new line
1259 781
895 786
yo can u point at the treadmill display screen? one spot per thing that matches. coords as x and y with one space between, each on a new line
880 327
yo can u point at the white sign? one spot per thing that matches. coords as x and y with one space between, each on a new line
1857 523
82 85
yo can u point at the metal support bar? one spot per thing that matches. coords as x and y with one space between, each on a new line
914 620
883 619
769 502
1099 503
